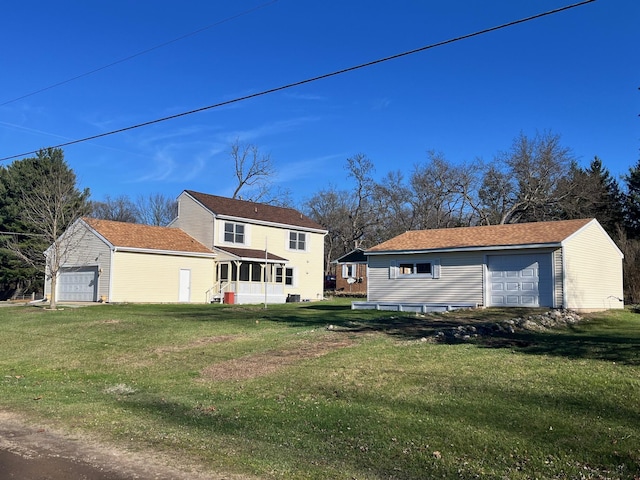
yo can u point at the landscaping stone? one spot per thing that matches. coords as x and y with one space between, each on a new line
532 323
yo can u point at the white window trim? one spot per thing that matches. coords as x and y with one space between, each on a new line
247 233
345 270
297 232
394 269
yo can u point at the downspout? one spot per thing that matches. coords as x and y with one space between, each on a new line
112 252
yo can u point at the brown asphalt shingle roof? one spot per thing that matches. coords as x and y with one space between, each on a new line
486 236
254 211
251 253
147 237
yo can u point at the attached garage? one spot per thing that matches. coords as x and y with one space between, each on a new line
78 284
523 280
569 264
124 262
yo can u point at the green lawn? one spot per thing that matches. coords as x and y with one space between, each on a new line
277 393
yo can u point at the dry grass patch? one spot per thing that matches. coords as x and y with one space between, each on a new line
272 361
197 343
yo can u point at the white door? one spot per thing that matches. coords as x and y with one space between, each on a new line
520 280
184 294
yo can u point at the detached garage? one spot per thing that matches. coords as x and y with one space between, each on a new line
570 264
125 262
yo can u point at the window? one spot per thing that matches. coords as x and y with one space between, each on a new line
348 270
419 269
233 232
297 241
288 275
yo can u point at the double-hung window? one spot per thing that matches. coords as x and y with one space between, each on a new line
285 274
234 233
297 241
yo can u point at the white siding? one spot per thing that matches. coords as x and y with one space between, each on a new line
154 278
558 292
592 270
461 279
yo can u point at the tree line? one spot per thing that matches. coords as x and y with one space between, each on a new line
536 179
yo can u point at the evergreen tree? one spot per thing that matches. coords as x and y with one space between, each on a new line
632 202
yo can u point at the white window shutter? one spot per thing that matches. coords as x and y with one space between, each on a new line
344 271
435 266
393 269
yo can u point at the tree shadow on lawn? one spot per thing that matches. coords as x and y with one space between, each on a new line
574 341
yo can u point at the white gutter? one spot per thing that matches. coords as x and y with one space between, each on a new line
164 252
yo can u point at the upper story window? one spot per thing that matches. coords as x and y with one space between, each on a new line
234 233
297 241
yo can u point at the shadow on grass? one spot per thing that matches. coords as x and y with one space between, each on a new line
582 341
607 339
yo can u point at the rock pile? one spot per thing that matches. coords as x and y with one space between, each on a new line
532 323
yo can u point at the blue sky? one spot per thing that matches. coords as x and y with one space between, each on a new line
575 73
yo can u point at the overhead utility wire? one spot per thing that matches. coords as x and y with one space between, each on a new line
143 52
309 80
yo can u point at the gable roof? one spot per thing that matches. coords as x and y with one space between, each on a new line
134 236
261 212
354 256
517 234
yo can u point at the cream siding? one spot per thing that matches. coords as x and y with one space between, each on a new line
155 278
461 279
592 270
194 219
308 265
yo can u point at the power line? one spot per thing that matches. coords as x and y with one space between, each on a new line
143 52
312 79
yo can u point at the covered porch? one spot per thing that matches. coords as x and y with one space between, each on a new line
248 276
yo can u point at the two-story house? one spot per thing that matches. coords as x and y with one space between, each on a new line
264 253
217 249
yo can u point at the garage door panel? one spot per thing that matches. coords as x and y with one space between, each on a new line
78 284
519 276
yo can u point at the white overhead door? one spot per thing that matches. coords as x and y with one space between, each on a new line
520 280
78 284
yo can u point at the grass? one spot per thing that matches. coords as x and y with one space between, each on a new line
315 391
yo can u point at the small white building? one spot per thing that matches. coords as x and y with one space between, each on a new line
569 264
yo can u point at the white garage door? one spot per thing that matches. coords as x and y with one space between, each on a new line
78 284
520 280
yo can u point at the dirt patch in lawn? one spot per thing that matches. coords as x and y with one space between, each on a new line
269 362
38 451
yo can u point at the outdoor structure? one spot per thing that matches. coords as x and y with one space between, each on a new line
351 272
264 253
125 262
217 249
570 264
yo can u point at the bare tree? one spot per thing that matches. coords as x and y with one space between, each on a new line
528 182
50 205
253 169
156 209
119 209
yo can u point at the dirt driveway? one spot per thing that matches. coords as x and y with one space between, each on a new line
32 452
